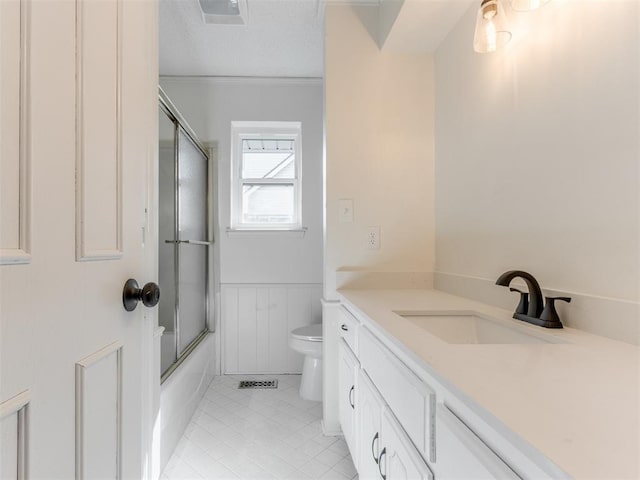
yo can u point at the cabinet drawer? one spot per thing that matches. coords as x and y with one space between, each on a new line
348 326
460 453
410 399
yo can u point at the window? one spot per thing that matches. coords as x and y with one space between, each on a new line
265 176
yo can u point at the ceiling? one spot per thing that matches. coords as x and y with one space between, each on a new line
421 25
284 38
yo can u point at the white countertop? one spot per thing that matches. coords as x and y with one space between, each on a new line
578 403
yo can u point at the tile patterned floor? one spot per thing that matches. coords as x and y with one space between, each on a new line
258 434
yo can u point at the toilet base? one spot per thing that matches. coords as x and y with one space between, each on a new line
311 382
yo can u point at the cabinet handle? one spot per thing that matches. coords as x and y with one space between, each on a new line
373 449
344 327
382 454
350 397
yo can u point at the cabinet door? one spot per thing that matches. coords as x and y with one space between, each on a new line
370 407
399 459
347 396
460 454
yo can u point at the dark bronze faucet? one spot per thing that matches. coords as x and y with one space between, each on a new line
530 308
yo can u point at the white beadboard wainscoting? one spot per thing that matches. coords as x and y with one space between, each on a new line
256 321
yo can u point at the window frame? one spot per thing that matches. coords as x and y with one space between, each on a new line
267 130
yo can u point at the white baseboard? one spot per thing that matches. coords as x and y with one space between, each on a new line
330 432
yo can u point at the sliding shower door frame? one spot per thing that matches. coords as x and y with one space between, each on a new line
182 125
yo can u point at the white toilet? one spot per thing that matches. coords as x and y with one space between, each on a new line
308 341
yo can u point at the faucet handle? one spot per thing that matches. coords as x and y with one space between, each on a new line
549 314
553 299
523 306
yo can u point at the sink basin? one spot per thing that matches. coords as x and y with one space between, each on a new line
472 328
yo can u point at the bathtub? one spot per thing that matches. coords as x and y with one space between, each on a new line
181 393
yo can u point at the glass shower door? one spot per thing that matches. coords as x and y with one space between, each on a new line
184 239
166 249
192 241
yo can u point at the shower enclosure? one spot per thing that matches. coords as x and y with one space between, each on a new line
185 237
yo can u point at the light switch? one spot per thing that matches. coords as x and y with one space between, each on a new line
345 214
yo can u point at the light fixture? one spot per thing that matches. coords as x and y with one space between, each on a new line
492 31
527 5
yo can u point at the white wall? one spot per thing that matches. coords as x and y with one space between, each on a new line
537 156
274 262
379 149
379 114
210 105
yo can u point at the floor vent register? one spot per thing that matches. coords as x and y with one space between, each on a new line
258 384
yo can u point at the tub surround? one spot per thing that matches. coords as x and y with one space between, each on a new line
575 403
180 395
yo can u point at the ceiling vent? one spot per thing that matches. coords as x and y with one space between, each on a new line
224 12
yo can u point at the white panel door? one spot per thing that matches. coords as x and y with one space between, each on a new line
78 87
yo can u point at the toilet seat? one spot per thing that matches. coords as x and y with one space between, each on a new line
309 333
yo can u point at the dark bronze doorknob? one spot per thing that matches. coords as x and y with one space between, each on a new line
132 294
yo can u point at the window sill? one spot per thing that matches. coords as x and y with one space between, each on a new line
249 232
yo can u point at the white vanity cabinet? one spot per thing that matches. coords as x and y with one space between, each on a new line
348 393
401 425
385 451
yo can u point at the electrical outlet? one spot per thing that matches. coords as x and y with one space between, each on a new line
373 238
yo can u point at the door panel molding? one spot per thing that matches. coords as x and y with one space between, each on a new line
18 406
15 151
98 388
98 130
